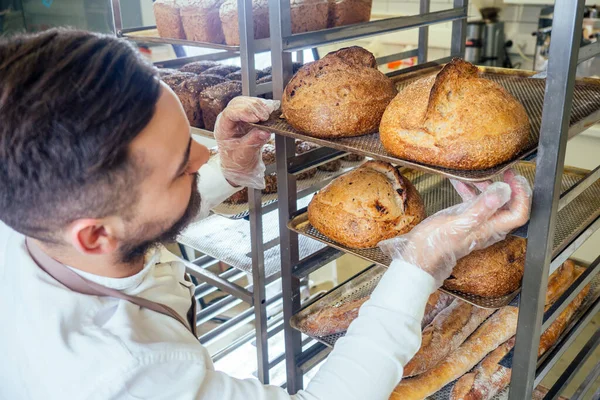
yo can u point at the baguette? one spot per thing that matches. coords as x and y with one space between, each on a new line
436 303
447 332
332 320
487 379
560 280
490 378
492 333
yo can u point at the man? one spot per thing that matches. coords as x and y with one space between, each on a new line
96 167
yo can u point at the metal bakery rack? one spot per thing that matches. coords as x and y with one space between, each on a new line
247 241
566 206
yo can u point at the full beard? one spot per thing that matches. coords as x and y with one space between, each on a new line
133 251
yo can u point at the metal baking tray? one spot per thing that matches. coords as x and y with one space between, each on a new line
363 285
437 193
304 187
529 91
152 36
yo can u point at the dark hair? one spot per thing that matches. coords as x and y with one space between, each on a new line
71 102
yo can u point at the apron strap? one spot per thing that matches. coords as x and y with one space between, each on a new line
79 284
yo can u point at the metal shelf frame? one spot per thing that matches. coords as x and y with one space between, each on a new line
547 200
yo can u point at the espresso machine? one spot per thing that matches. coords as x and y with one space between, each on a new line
486 44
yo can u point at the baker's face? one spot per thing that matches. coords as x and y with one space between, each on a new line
168 197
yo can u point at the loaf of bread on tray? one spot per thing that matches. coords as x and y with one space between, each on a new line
492 272
228 14
167 14
455 119
367 205
198 67
332 320
341 95
189 94
446 333
200 19
214 100
496 330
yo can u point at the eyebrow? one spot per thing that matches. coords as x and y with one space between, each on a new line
184 161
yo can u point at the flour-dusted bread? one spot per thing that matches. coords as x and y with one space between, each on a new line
198 67
367 205
189 95
228 15
455 119
341 95
492 272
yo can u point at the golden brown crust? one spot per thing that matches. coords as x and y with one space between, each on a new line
168 20
437 302
492 272
447 332
333 319
492 333
455 119
367 205
560 280
341 95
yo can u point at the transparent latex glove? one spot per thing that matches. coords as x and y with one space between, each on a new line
480 221
239 144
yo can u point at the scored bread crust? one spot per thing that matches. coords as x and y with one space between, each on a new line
367 205
491 272
455 119
341 95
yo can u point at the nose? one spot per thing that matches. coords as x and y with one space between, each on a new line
199 156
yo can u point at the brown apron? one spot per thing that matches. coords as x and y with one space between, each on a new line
79 284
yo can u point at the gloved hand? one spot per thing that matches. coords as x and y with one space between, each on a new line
480 221
239 144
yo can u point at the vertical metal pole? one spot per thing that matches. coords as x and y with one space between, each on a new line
423 33
564 50
280 27
115 6
459 31
247 51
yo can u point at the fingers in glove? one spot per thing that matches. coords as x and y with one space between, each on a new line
518 208
464 190
486 204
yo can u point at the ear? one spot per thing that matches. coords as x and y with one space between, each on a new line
93 236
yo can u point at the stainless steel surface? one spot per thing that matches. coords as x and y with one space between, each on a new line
315 261
555 124
344 33
569 195
437 194
459 30
493 44
398 56
116 16
214 279
589 51
530 92
589 381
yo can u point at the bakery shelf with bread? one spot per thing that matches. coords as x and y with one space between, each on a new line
463 345
458 120
504 260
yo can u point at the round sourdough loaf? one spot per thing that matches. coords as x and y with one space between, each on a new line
367 205
455 119
492 272
341 95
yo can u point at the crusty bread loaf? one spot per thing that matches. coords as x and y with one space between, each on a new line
332 320
455 119
228 15
168 19
222 70
189 95
367 205
449 329
437 302
341 95
198 67
348 12
176 78
551 335
309 15
492 333
492 272
214 100
560 280
200 19
162 72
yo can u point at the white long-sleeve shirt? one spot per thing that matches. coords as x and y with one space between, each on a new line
59 344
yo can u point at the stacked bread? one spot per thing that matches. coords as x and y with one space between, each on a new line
216 21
